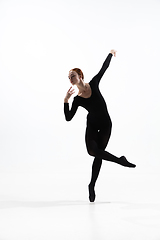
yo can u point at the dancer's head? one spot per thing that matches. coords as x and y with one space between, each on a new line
75 75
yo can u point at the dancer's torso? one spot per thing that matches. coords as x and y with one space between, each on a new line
98 115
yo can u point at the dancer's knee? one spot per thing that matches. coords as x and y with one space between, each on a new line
91 152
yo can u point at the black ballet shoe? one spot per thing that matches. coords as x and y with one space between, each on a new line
125 163
92 195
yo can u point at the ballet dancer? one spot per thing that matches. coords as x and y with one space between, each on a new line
98 129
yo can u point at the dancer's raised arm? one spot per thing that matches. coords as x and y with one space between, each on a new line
104 67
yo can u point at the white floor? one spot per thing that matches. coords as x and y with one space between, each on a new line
56 206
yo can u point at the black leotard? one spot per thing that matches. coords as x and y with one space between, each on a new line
95 105
99 126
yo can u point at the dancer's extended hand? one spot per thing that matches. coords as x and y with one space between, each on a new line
69 94
113 52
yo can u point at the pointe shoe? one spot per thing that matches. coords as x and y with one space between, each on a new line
125 163
92 195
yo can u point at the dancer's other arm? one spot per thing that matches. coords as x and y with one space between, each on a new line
69 114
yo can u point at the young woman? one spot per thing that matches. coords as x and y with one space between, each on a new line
99 124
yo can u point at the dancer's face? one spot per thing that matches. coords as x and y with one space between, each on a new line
74 77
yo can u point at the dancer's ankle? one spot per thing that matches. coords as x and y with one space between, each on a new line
91 193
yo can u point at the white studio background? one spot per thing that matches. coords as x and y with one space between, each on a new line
40 41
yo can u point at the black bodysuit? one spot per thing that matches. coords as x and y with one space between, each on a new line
98 128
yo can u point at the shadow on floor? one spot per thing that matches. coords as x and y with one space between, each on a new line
44 204
65 203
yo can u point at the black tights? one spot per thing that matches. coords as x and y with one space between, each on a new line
96 142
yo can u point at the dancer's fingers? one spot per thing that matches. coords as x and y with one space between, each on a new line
70 92
113 51
69 89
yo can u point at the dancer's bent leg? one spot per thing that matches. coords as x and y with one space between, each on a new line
94 150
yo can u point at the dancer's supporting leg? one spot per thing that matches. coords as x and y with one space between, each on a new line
102 139
95 172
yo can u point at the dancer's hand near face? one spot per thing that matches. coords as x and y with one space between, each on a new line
69 94
113 52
